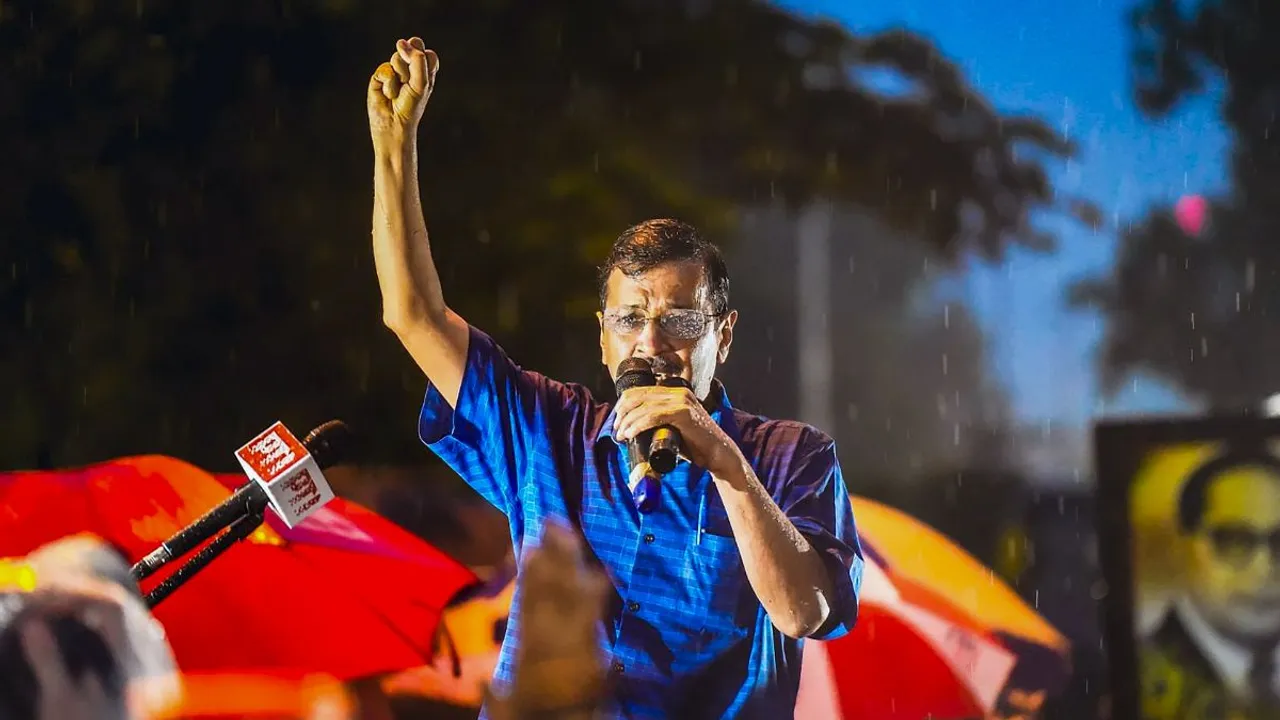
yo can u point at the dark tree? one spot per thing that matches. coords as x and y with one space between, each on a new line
186 190
1202 311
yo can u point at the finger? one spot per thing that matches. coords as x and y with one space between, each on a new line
433 65
381 77
636 422
631 399
400 64
391 88
419 74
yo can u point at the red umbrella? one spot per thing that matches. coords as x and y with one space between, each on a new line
938 636
911 656
347 593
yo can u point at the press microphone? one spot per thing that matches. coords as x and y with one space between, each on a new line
284 473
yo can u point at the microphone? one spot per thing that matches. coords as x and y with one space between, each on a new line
284 474
644 478
664 448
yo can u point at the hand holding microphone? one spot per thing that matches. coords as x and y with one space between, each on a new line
662 421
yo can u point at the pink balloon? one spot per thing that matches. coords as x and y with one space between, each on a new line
1191 211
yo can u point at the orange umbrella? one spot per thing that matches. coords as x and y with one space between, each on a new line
206 696
938 635
346 593
913 552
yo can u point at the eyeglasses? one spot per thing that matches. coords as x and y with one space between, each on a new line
683 324
1237 545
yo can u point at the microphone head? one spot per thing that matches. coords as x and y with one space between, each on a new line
634 372
332 443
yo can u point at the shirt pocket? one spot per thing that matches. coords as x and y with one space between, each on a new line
718 571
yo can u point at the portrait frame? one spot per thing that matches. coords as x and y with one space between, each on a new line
1120 447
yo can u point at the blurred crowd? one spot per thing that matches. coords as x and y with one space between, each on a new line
77 642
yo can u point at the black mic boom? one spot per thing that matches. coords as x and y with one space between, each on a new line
328 445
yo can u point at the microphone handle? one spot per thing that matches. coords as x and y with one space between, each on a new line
637 451
251 499
239 530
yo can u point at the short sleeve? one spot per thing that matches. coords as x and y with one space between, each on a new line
501 419
815 499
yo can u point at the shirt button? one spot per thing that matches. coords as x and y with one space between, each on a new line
648 537
633 607
618 667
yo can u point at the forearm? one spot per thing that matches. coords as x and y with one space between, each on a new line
411 292
785 571
413 303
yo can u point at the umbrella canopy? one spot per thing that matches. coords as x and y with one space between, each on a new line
912 552
938 635
346 593
912 655
236 695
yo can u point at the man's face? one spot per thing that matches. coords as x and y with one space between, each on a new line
1235 555
664 315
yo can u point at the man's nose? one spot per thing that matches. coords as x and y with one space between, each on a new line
1262 565
651 341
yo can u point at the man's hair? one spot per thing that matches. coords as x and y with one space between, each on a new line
642 247
1195 491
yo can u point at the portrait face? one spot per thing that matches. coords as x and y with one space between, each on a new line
665 316
1233 576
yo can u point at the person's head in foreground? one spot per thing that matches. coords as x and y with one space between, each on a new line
76 639
1229 509
664 296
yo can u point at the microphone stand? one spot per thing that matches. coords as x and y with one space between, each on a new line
238 530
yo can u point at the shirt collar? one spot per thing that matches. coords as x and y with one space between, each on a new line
717 403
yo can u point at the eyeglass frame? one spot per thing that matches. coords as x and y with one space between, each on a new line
609 318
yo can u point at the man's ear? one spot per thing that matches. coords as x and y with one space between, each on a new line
604 359
726 336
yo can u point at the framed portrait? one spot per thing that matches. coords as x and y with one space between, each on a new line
1189 538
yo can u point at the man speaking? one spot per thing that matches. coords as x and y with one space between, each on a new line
720 566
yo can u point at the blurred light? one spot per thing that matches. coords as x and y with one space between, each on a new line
1271 407
16 575
1191 212
266 536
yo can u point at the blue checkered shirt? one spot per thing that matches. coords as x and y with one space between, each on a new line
685 634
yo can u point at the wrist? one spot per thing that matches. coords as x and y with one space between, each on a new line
730 467
395 153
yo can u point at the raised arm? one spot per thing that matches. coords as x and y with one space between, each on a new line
413 303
